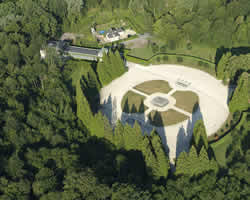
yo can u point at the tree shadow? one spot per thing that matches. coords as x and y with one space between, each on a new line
157 119
230 90
126 106
106 108
133 109
130 119
184 136
141 107
91 93
102 157
236 51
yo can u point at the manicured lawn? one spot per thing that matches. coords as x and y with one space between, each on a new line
154 86
144 53
198 51
186 100
186 61
220 149
133 103
166 118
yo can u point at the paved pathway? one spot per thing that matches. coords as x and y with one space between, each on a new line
139 92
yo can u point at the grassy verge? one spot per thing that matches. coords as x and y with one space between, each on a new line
220 149
144 53
167 118
186 100
188 61
154 86
199 51
137 60
133 103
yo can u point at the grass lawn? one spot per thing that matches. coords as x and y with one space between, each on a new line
166 118
144 53
198 51
186 61
133 103
220 148
154 86
186 100
204 52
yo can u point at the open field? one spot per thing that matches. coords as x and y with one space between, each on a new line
186 100
192 62
154 86
197 51
167 118
133 103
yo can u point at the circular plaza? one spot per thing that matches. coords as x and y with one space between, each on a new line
168 98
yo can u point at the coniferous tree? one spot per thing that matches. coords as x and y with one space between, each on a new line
118 136
240 100
150 159
221 73
84 112
181 163
199 138
102 74
120 63
126 107
160 154
101 127
132 136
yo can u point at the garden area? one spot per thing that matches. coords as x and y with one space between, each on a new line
186 100
167 118
154 86
133 103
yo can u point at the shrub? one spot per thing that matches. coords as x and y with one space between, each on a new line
165 58
236 116
179 59
163 49
189 46
206 65
155 48
200 63
172 45
158 59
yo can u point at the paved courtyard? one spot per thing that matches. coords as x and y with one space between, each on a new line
212 94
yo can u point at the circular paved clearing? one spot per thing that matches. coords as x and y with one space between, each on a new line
212 100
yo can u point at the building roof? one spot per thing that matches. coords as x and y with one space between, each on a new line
78 50
83 50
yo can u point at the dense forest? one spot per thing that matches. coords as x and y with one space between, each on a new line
54 144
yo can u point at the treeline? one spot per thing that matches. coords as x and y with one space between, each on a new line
234 70
200 158
124 137
111 67
213 23
53 144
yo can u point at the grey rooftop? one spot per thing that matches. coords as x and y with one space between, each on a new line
61 45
